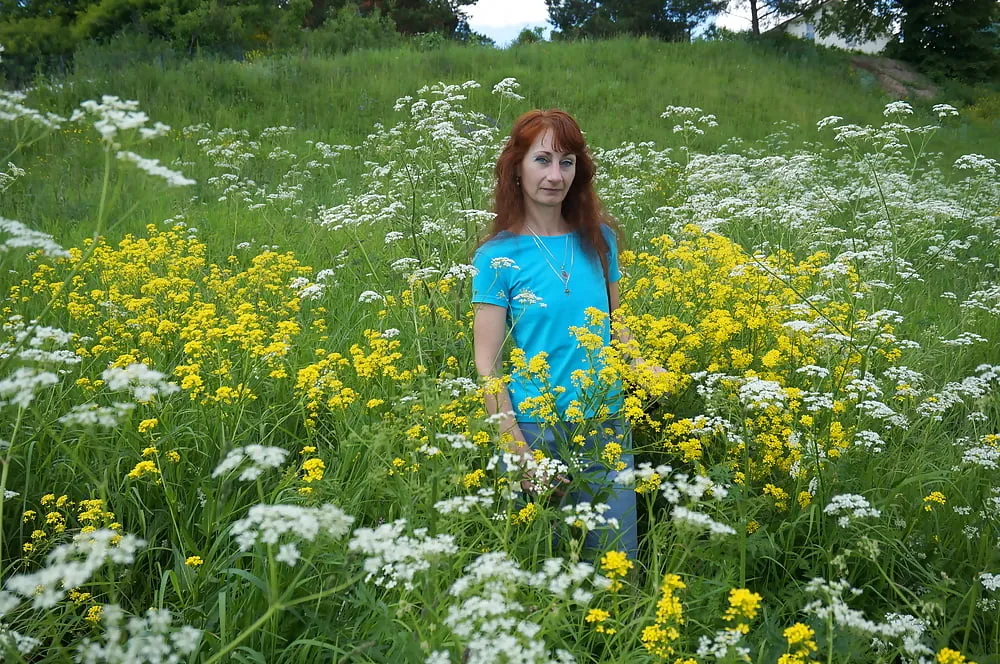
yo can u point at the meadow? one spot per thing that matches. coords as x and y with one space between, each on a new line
240 421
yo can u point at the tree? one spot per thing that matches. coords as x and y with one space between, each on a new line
420 16
954 38
762 10
671 20
951 37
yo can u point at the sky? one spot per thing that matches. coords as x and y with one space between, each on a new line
503 20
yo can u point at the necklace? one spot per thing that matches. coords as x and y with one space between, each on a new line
562 274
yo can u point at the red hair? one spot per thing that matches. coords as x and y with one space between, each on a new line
581 208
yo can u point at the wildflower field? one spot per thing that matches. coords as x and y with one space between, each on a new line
251 430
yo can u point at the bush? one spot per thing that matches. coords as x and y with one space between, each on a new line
348 30
93 58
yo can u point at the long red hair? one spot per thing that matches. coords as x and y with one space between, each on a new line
582 209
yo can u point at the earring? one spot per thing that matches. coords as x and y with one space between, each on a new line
517 180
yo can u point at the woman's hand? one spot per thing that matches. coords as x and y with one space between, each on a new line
654 369
549 473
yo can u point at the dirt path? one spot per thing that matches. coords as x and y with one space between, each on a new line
895 77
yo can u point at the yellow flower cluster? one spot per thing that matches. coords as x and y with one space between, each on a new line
934 497
743 607
60 514
144 468
949 656
597 618
801 644
151 298
526 514
701 303
615 565
659 637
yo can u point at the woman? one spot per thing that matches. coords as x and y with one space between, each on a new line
551 255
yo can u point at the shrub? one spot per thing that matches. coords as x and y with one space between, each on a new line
348 30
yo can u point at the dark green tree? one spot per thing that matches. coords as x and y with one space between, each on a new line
954 38
671 20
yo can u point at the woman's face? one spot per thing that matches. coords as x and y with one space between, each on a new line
546 175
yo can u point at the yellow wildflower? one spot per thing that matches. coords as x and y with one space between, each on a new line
932 498
526 514
949 656
474 479
144 468
194 561
313 470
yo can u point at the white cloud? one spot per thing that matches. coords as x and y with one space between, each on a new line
506 13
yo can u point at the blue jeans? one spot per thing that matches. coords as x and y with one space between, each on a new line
594 481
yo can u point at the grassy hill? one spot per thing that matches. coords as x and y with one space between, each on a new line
617 90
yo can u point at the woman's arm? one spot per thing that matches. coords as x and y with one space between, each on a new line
489 329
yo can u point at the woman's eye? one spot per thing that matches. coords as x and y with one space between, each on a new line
567 163
541 160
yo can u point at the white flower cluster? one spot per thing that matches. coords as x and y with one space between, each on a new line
990 581
545 473
944 110
95 415
116 115
506 89
308 290
502 262
144 383
462 271
69 566
589 517
678 489
897 108
758 394
269 524
19 388
13 640
257 458
8 176
903 629
393 558
22 237
155 168
970 388
482 499
527 297
977 162
151 638
459 386
722 644
12 110
850 506
370 296
488 616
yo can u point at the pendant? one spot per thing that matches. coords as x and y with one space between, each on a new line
567 290
564 275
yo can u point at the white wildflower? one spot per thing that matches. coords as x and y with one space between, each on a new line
392 558
270 524
257 459
144 383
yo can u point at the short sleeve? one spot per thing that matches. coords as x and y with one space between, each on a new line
614 274
490 285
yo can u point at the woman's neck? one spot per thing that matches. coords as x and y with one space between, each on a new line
546 220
